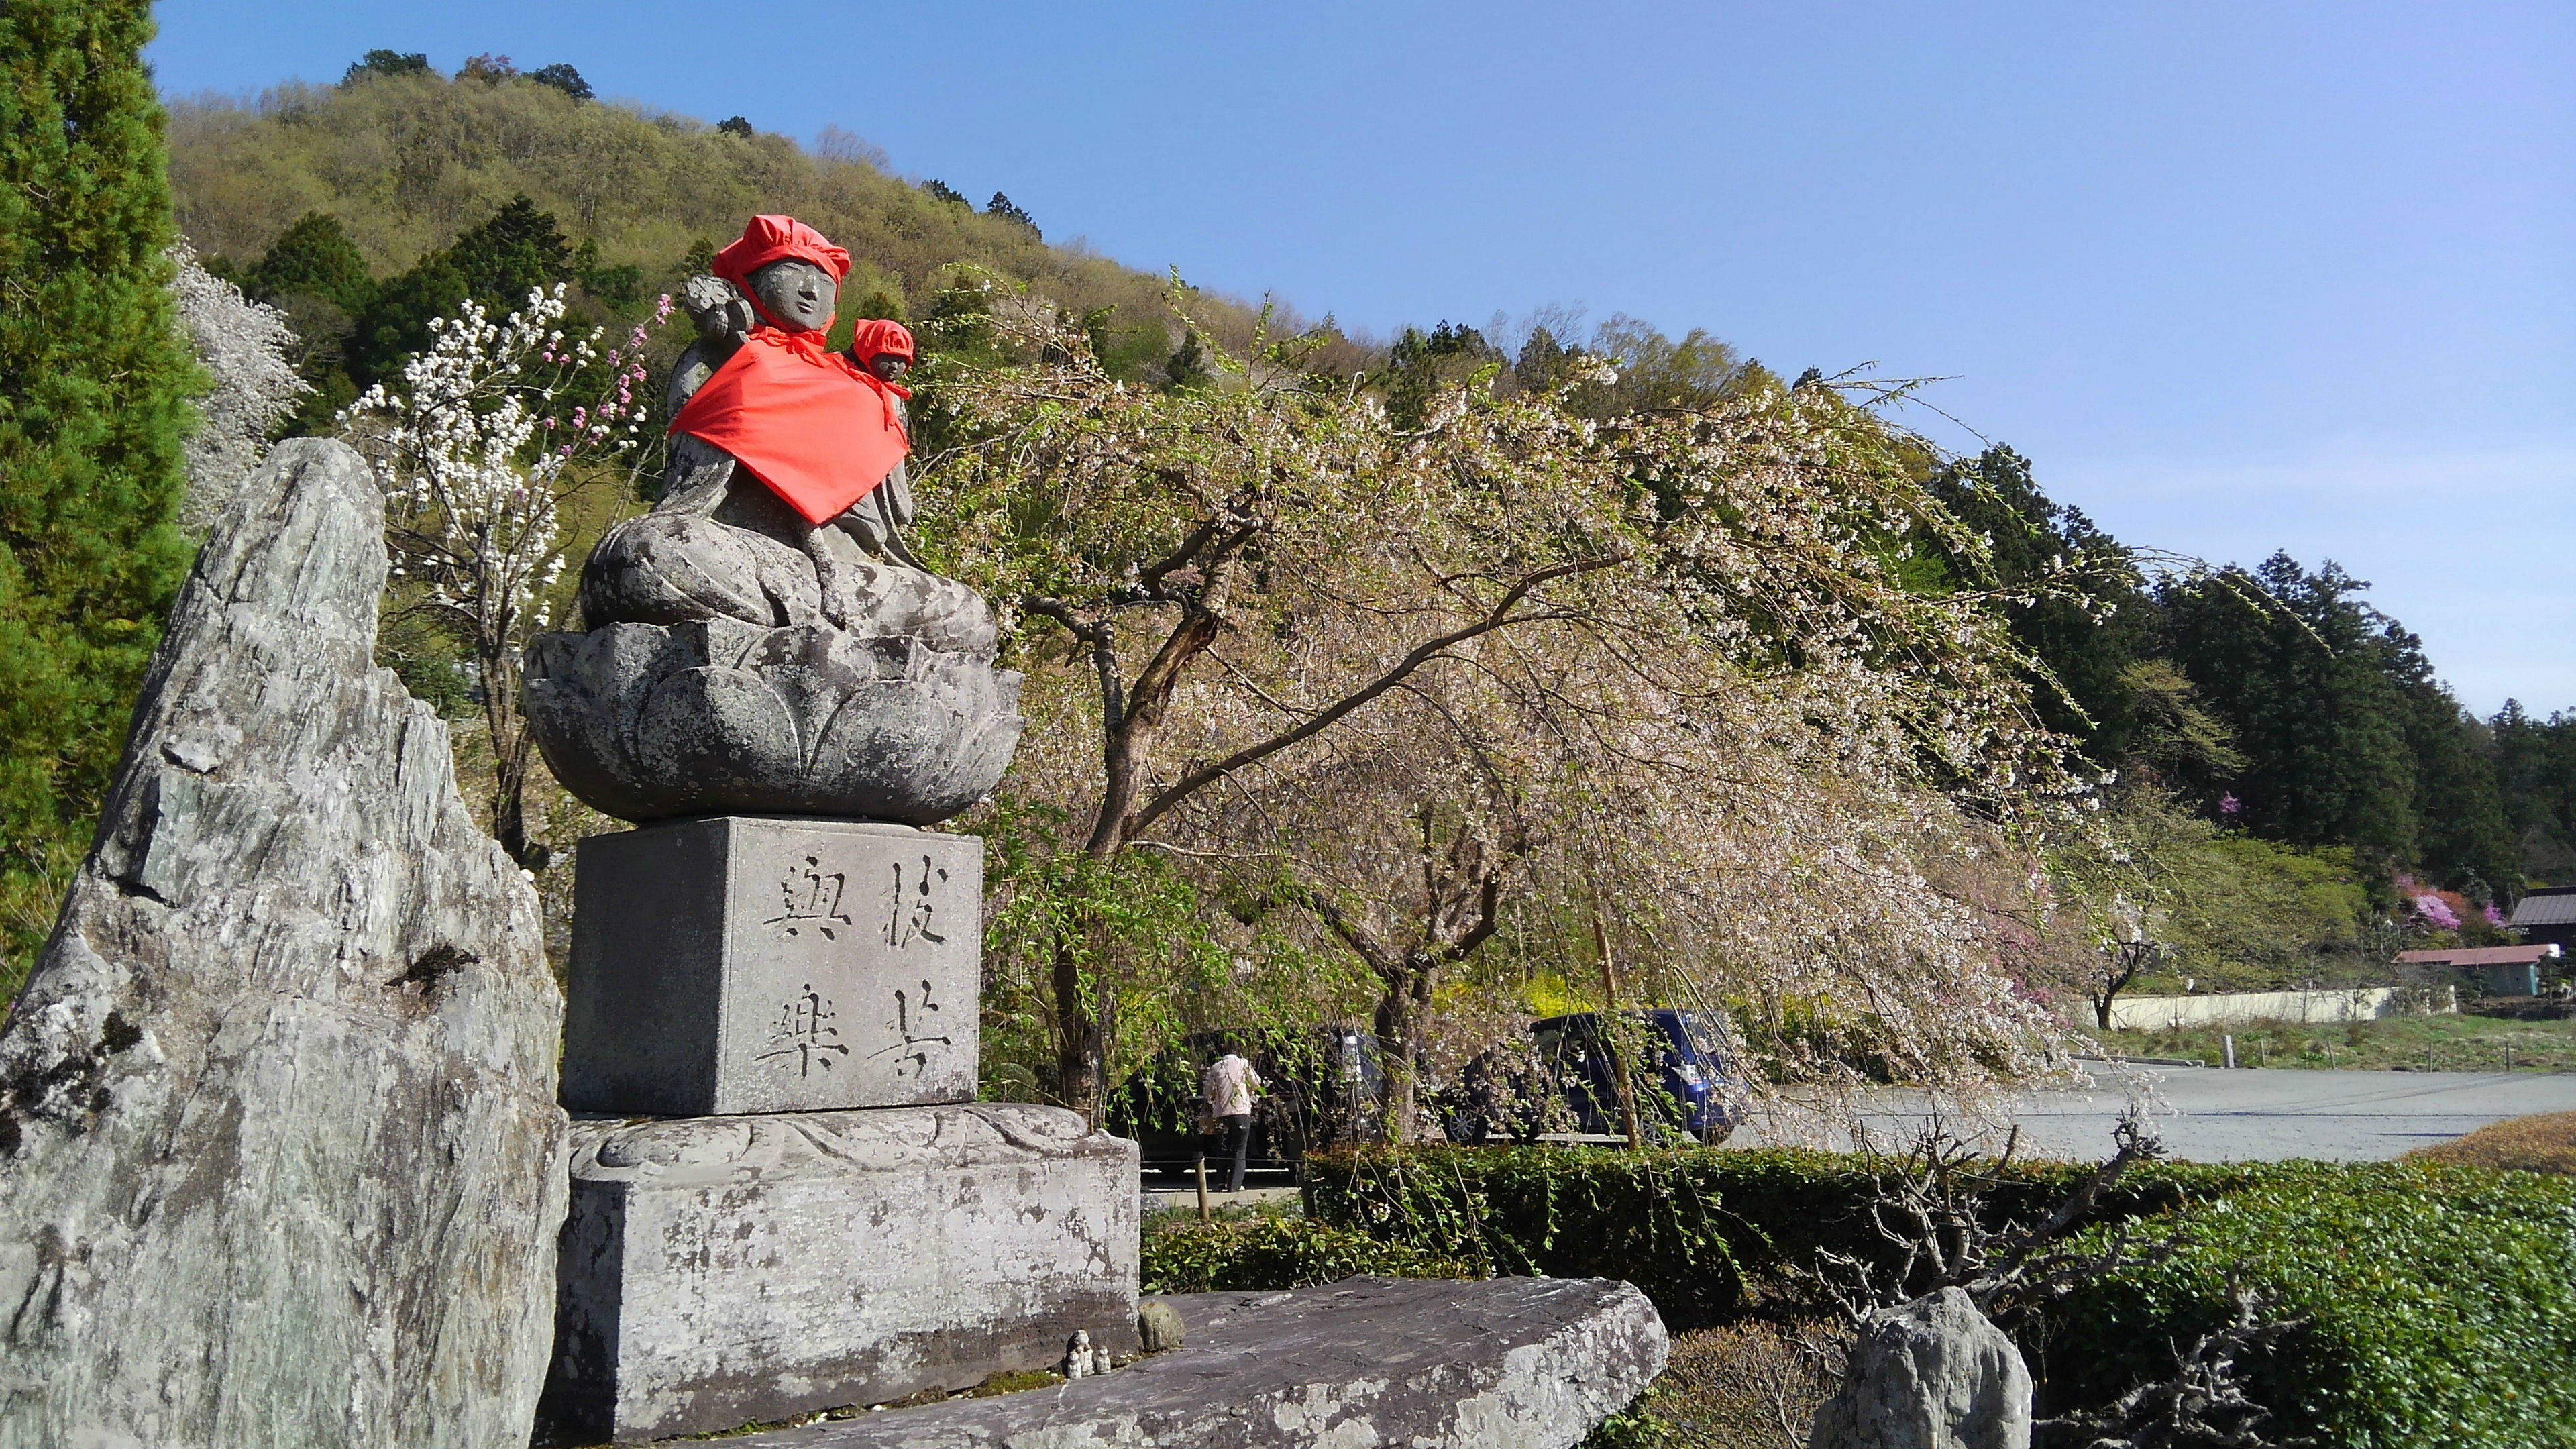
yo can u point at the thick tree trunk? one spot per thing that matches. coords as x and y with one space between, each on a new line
1398 1050
1080 1058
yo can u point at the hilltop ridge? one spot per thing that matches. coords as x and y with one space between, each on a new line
409 162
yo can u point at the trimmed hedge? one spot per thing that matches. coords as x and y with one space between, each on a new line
1267 1254
1686 1225
2444 1300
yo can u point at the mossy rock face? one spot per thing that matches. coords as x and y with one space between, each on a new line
1013 1382
1159 1326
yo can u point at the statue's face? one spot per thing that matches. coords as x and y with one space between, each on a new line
798 293
888 366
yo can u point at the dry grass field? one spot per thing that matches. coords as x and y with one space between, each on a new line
2546 1143
1752 1384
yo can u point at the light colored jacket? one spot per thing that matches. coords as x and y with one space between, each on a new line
1229 1086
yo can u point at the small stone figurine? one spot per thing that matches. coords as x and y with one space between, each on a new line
1077 1355
1100 1363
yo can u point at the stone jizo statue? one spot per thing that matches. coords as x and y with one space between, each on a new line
821 667
753 464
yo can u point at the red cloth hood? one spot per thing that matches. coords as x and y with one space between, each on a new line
776 239
813 425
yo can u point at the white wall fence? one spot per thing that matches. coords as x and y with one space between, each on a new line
2368 1003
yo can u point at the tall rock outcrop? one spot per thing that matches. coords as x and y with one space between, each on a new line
283 1163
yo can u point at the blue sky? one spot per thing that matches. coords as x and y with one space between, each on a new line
2236 277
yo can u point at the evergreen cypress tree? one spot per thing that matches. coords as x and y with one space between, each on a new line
495 263
313 258
318 278
1008 210
94 379
519 248
2086 654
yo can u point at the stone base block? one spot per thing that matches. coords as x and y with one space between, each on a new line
733 1270
759 964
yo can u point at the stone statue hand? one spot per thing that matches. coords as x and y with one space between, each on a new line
722 314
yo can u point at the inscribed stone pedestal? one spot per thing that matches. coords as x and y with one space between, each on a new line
284 1162
759 964
729 1270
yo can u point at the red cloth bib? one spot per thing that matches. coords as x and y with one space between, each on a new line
804 419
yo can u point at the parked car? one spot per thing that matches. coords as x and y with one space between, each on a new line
1323 1086
1688 1084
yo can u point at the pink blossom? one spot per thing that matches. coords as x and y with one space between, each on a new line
2437 911
2494 916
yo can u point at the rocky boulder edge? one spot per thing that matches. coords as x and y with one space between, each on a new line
278 1103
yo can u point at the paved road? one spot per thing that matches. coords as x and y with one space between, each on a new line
2207 1115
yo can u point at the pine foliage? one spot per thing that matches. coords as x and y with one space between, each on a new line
94 379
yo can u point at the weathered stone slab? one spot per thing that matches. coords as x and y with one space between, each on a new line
730 1270
1514 1363
756 964
278 1101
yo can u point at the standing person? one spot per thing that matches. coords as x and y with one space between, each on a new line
1229 1087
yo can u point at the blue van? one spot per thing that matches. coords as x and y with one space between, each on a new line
1693 1086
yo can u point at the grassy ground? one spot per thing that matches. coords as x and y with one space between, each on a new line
2462 1042
1752 1384
2546 1143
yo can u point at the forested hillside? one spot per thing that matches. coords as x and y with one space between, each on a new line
2275 700
346 205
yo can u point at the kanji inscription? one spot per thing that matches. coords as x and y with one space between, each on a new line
810 898
916 1019
804 1030
916 910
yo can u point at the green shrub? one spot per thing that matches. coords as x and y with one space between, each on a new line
2444 1298
2444 1302
1259 1254
1686 1225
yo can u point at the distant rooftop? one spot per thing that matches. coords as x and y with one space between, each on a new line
2481 956
2547 906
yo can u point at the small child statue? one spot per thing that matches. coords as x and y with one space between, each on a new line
1077 1355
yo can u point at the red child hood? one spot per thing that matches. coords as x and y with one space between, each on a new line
805 420
874 337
